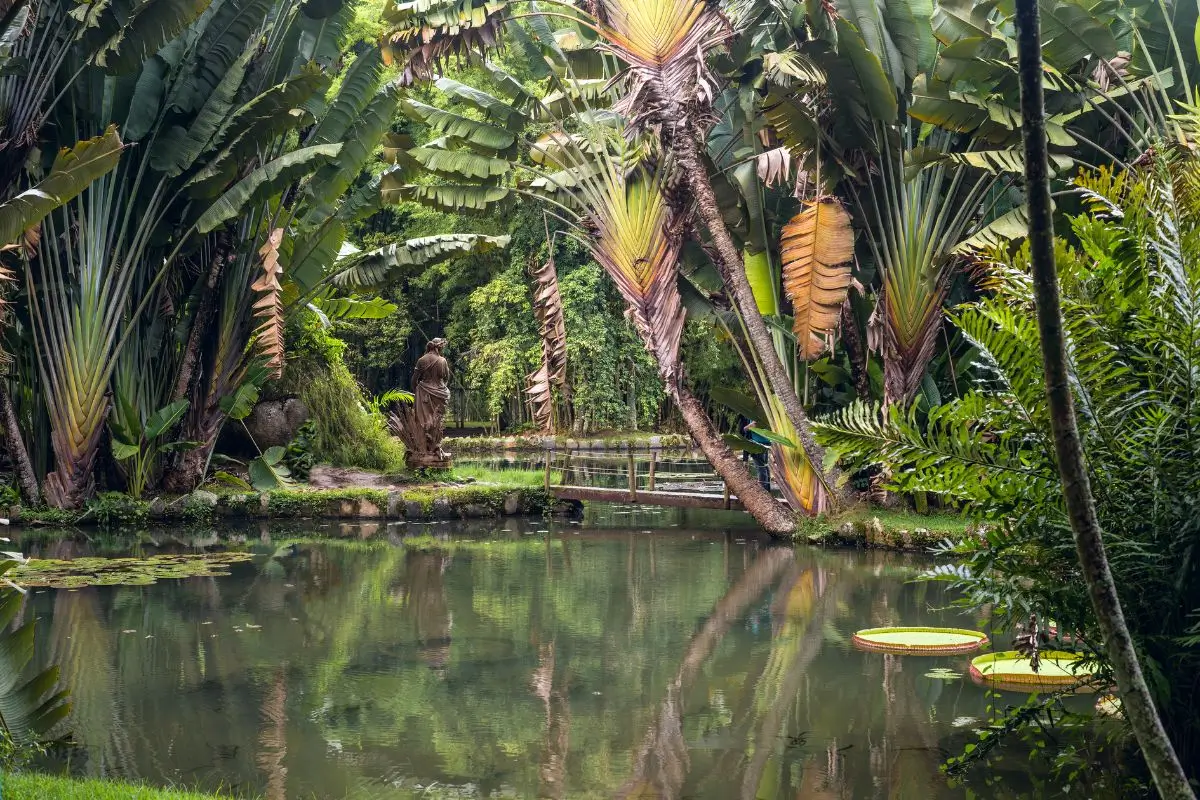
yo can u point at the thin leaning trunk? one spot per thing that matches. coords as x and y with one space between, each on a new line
1152 738
733 276
16 448
768 511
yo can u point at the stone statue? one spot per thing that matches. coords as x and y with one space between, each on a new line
421 424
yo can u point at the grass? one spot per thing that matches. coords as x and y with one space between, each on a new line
517 478
937 522
33 786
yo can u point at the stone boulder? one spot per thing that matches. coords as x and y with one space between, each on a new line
275 422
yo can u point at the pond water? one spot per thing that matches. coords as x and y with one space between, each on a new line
636 654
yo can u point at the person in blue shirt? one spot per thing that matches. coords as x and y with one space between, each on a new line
760 459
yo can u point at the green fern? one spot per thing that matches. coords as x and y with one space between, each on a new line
1130 276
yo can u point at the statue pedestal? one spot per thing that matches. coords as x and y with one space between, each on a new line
427 461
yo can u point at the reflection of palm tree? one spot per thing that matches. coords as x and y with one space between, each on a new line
803 609
661 761
425 602
272 738
556 736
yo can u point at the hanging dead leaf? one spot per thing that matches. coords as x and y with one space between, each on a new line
269 306
548 308
774 166
816 249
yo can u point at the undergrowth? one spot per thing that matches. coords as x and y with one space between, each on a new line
343 432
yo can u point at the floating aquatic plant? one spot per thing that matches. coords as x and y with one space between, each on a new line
943 674
91 571
920 640
1015 672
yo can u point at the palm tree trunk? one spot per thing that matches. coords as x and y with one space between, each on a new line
686 150
204 314
16 448
856 352
1147 726
766 510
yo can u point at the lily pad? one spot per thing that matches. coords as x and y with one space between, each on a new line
80 572
1013 671
919 641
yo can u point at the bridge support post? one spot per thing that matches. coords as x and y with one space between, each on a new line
632 477
653 464
728 504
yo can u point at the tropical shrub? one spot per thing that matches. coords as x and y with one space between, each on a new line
1131 302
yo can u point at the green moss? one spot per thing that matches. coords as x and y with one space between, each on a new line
893 530
239 504
323 502
58 517
32 786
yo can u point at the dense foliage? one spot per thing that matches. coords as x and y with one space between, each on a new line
1131 300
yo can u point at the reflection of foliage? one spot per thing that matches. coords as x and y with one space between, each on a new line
423 659
29 709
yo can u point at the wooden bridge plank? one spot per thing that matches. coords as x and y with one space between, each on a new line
647 498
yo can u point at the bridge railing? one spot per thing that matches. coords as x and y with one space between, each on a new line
654 481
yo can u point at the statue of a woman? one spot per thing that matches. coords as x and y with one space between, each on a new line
430 385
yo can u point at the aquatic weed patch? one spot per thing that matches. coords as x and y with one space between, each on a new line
92 571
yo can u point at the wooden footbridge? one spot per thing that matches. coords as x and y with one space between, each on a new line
664 483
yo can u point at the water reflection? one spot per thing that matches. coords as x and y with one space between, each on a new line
597 662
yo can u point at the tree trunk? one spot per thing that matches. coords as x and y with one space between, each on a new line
16 447
204 312
74 477
188 472
856 352
686 150
1156 747
766 510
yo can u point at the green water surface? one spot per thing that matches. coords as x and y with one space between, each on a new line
634 655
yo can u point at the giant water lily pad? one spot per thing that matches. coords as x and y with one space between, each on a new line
1013 671
920 641
79 572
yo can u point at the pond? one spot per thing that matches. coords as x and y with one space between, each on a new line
639 653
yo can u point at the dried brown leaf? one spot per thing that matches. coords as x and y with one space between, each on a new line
816 250
269 306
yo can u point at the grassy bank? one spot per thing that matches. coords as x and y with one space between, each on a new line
886 529
419 502
32 786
